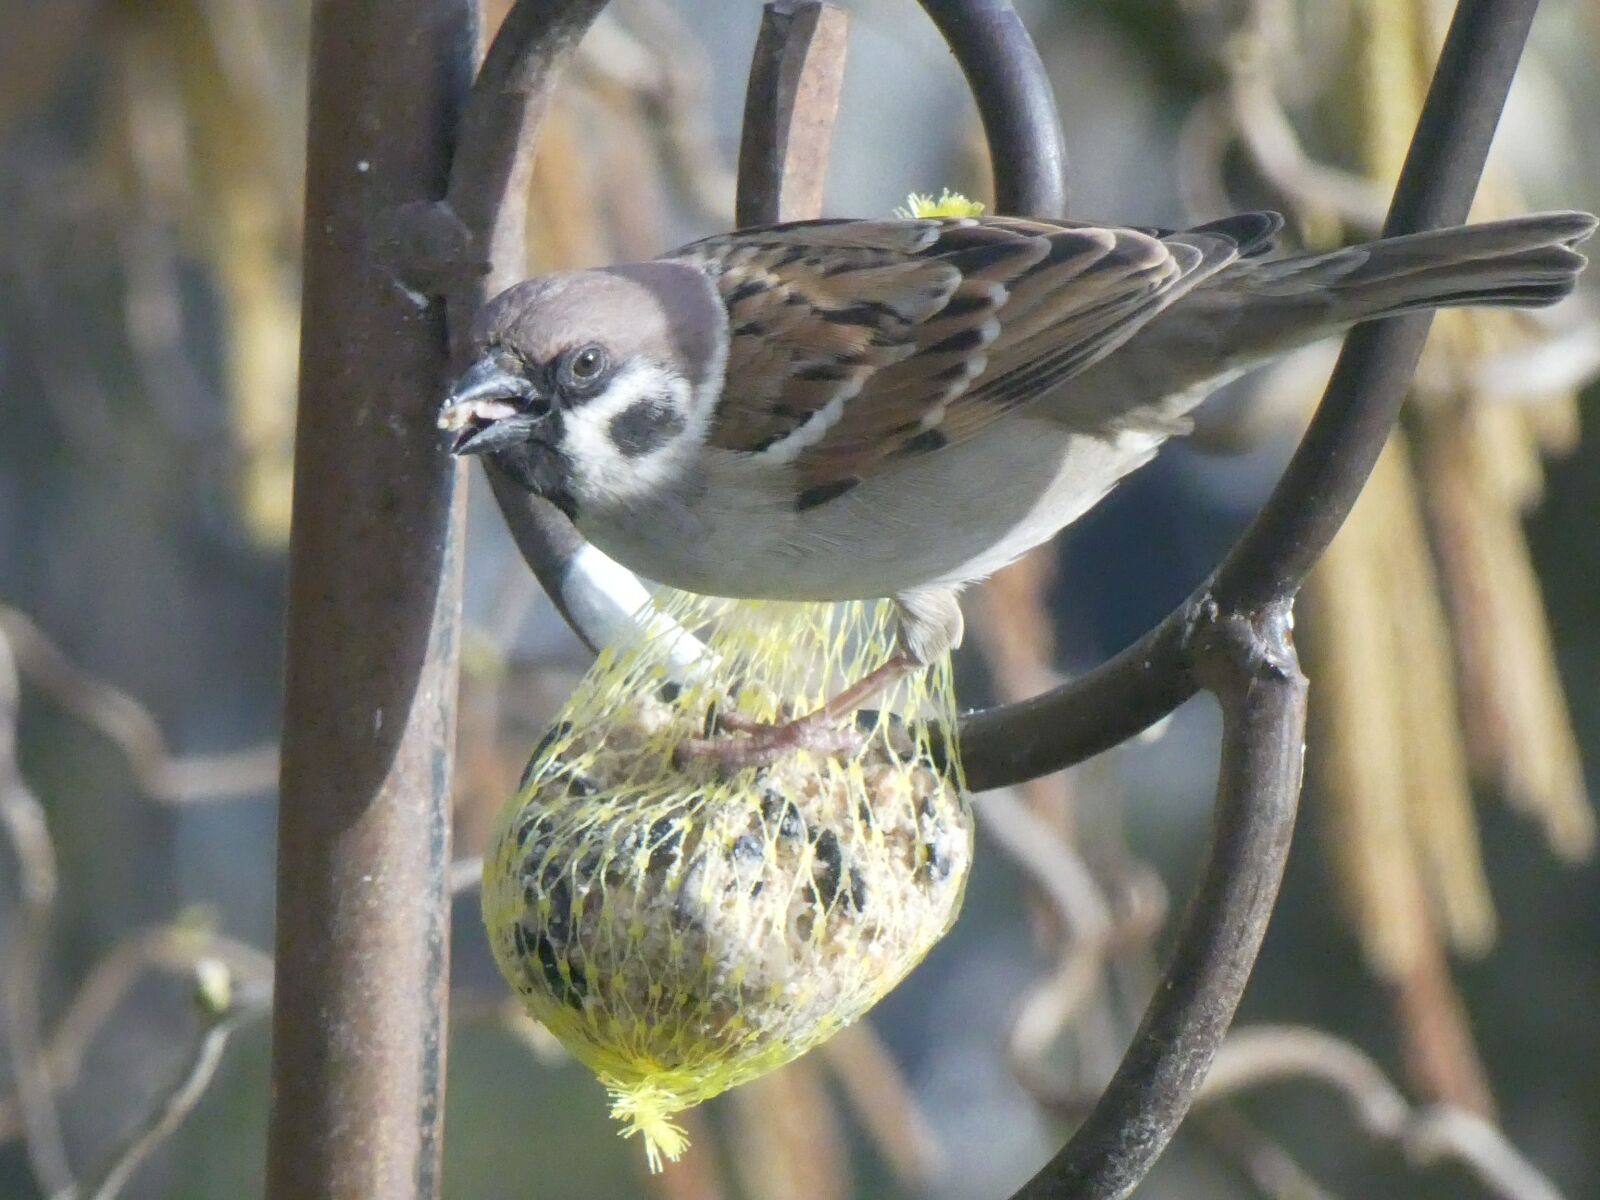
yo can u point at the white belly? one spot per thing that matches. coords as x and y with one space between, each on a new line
944 518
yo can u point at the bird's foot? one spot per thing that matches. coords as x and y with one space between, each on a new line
829 730
750 743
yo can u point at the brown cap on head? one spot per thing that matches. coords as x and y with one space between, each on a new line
664 311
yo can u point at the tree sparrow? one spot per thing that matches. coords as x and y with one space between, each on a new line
849 409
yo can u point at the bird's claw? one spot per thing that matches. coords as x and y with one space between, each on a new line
757 743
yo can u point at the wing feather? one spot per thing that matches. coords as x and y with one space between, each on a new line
855 344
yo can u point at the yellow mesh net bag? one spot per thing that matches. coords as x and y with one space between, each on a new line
683 930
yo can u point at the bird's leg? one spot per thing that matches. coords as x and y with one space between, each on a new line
930 625
823 730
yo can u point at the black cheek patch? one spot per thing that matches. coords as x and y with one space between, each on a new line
645 425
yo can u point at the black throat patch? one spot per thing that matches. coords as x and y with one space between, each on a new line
540 468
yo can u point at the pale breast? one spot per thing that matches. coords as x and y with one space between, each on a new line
943 518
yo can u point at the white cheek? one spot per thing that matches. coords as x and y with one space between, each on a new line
603 472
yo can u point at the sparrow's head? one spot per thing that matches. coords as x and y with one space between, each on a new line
593 387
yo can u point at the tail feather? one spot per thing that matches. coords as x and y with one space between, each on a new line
1521 279
1256 308
1523 262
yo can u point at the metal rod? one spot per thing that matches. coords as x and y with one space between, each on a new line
791 102
1233 639
362 957
1250 664
1015 101
1112 703
489 182
488 197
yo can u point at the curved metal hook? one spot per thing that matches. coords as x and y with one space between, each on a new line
488 197
1234 640
1015 101
1143 683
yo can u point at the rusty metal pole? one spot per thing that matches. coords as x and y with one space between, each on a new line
374 599
790 106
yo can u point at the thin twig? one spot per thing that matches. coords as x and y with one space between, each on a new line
1428 1136
1084 914
1269 1167
1268 135
677 94
132 727
174 948
887 1105
25 829
180 1098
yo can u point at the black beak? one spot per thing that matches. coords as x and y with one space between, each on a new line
490 407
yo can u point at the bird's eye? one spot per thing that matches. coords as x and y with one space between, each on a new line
586 365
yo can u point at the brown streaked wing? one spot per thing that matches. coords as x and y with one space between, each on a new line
1079 292
927 331
814 310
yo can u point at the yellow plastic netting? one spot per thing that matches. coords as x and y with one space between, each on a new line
683 930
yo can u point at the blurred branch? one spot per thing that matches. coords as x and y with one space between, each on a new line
1254 69
176 948
1269 1167
668 67
886 1104
1268 136
1255 48
28 835
224 1009
1566 360
1079 1014
1428 1136
1086 928
695 1175
41 1070
786 1139
133 729
1441 1059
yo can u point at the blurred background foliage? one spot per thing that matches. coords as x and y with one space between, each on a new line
1436 933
